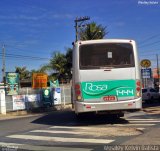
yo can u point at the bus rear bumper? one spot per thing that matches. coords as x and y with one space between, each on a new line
135 104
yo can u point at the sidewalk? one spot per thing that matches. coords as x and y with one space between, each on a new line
152 109
149 138
19 114
24 113
152 137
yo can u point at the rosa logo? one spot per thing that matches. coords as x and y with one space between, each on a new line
95 88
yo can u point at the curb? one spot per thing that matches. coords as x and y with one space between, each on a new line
34 112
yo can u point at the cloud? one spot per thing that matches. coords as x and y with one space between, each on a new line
20 17
61 16
119 24
28 17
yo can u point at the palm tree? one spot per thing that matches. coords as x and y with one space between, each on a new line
24 74
58 62
92 31
56 66
68 65
59 66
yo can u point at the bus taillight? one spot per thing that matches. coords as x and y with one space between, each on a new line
78 92
138 88
77 86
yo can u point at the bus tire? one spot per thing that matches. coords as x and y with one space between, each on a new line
80 116
120 115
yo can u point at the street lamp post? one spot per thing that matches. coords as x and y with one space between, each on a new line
158 72
3 64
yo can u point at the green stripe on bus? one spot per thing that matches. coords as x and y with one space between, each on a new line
98 89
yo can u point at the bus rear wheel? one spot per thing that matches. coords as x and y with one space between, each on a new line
118 115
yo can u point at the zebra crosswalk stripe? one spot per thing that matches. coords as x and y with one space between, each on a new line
55 132
141 123
145 121
70 127
61 139
134 124
137 119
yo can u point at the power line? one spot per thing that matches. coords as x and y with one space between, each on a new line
148 51
149 54
15 58
23 56
151 37
149 44
22 50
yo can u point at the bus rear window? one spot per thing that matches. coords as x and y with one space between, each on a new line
113 55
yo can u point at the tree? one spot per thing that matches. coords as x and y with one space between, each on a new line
24 74
68 65
59 66
40 70
57 63
92 31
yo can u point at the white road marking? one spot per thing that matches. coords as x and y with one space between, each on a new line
134 124
55 132
71 127
4 144
61 139
145 121
140 119
83 128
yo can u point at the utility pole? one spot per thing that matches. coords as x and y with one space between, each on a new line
3 63
81 20
158 71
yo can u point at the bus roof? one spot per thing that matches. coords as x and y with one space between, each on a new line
106 40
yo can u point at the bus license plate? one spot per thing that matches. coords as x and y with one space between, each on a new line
110 98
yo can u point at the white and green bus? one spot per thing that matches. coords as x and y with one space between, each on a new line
106 76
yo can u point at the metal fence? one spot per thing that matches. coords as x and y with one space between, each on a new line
66 94
65 97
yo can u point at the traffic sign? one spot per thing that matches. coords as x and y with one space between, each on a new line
145 63
146 73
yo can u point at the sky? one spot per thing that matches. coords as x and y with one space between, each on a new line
31 30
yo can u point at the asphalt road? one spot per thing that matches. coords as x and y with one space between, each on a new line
63 131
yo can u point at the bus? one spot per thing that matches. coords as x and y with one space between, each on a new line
106 76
